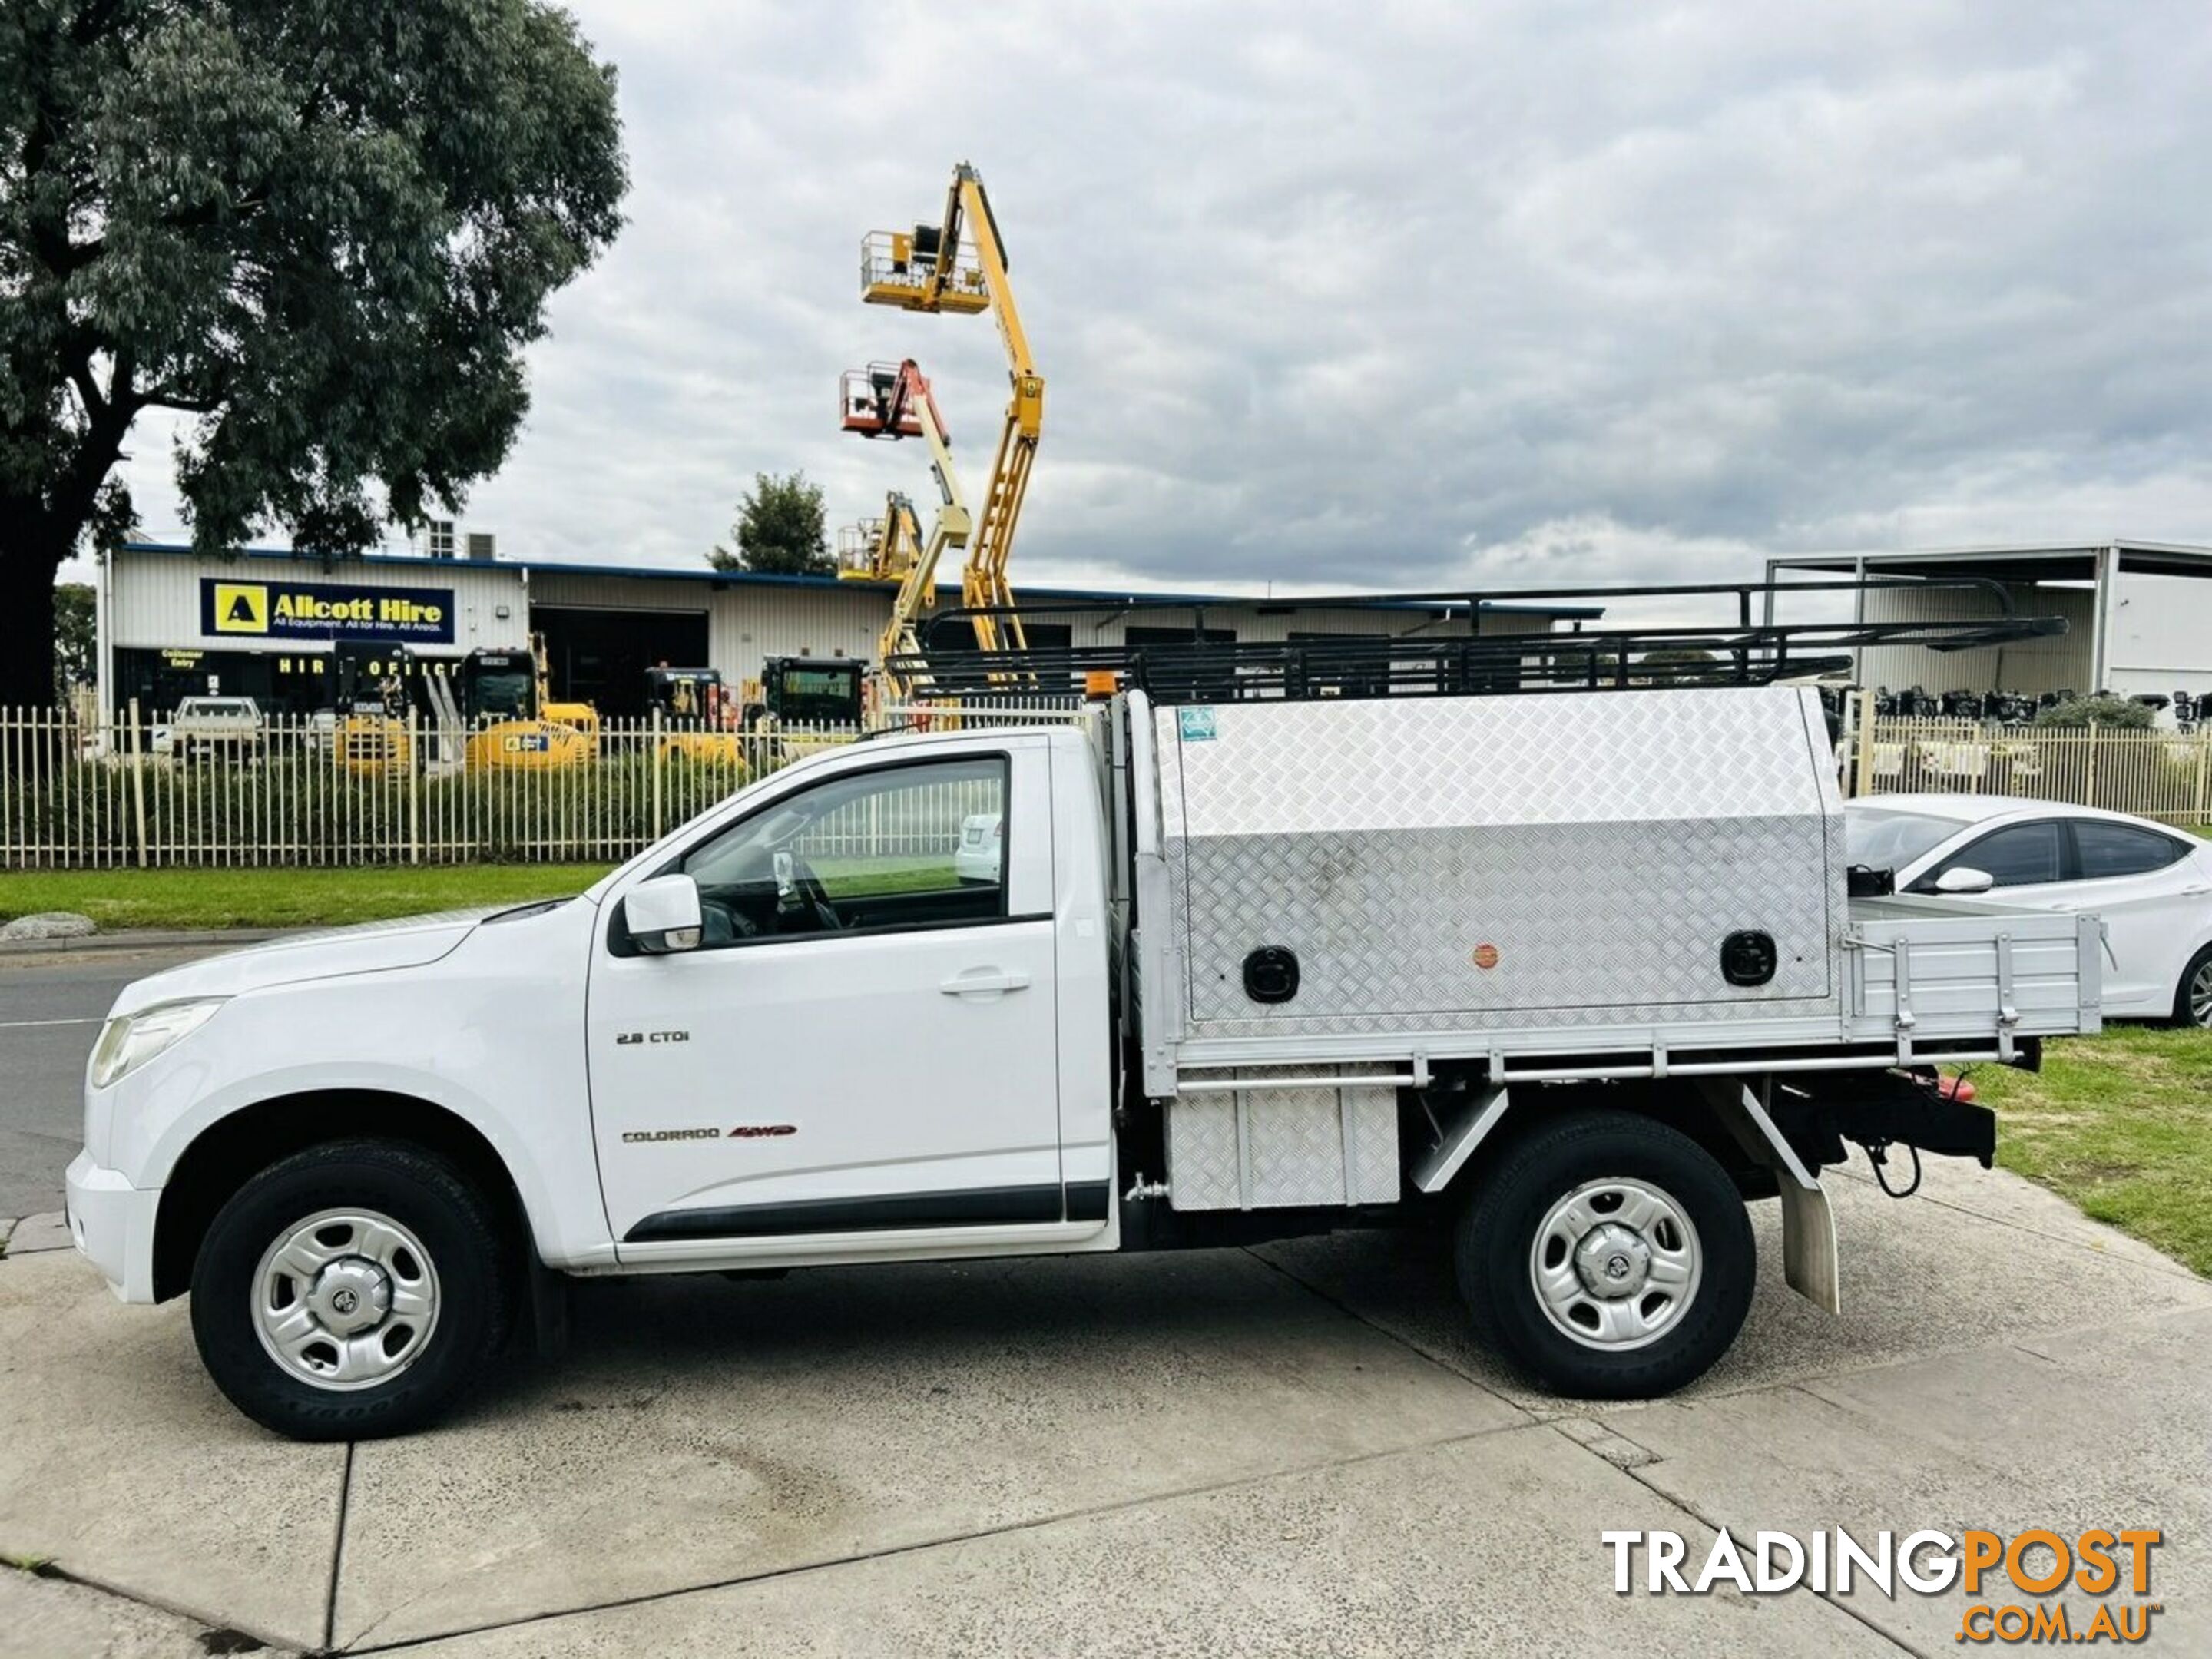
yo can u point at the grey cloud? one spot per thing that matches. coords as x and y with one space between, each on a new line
1409 293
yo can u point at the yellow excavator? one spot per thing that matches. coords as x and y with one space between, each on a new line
960 265
893 400
512 721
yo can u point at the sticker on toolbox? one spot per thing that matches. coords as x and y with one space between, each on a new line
1196 725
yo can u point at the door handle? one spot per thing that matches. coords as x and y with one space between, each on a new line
983 981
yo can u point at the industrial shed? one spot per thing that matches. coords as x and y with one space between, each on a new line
2139 616
263 622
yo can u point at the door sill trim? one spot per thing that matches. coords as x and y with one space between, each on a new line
918 1243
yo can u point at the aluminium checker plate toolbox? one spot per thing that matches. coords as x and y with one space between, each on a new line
1474 863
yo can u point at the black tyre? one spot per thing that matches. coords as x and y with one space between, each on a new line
1606 1254
354 1290
2192 998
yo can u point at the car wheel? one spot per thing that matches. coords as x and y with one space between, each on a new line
2192 1001
352 1290
1608 1254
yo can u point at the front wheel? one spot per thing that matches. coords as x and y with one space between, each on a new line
1610 1254
354 1290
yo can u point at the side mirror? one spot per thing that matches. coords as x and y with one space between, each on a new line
662 914
1962 880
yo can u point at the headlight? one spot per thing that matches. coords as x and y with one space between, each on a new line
128 1042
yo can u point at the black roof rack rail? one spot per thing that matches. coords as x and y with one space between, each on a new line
1749 648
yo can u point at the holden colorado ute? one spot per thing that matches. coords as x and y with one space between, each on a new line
1582 973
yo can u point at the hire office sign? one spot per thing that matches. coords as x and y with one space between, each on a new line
324 610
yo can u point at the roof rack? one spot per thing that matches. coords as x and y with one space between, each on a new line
1751 649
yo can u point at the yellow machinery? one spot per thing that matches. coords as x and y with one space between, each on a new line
512 723
701 718
581 715
887 400
368 700
960 265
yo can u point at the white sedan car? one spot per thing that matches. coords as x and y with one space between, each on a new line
981 849
2152 885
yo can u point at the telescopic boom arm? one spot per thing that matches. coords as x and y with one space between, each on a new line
961 265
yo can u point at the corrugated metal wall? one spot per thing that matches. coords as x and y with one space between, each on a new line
2029 665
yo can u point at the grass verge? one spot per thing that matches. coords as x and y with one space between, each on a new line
2121 1124
283 898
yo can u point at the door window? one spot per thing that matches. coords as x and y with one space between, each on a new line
905 846
2121 849
2019 855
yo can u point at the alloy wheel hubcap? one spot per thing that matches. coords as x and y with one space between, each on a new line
345 1300
2200 996
1614 1263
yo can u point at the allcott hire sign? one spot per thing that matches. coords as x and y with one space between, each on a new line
324 610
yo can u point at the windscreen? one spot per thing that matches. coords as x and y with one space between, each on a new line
817 694
501 692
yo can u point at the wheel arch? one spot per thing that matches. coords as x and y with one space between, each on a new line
1679 1103
236 1148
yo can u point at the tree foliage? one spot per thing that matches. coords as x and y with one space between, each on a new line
325 229
2123 713
74 629
779 528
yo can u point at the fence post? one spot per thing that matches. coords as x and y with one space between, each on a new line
2096 737
1862 745
2204 749
414 789
656 759
137 783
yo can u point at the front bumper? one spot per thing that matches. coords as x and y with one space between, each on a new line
111 1223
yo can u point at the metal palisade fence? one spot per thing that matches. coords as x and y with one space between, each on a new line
212 787
2162 775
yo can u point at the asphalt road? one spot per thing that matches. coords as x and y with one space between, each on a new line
51 1006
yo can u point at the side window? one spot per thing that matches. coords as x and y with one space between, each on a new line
2016 856
2121 849
906 847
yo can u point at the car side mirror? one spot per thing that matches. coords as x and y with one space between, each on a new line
1962 878
662 915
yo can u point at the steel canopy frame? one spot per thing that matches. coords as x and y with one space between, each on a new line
1747 649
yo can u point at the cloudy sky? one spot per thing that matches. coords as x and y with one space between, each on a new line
1407 294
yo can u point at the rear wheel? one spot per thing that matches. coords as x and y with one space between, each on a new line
1608 1254
354 1290
2192 1001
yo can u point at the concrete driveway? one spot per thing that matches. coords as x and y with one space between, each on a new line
1290 1450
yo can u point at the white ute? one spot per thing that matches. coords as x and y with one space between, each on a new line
1583 972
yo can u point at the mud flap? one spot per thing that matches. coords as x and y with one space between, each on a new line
1810 1261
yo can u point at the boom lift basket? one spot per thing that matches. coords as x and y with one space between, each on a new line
895 269
868 404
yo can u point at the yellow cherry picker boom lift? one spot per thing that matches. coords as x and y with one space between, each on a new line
893 400
960 265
